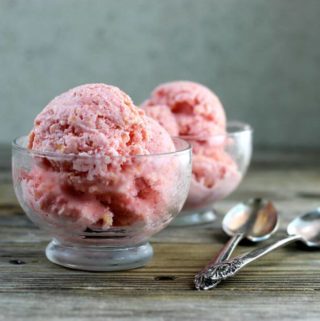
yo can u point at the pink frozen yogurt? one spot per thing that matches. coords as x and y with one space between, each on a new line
197 110
195 113
96 178
95 119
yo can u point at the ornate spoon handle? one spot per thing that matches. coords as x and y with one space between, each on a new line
224 270
223 255
227 250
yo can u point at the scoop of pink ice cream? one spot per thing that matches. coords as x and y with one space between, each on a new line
194 112
98 182
93 119
196 109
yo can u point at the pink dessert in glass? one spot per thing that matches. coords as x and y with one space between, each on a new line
97 170
221 150
97 120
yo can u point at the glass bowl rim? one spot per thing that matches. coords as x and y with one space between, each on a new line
17 146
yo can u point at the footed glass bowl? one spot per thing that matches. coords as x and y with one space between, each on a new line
219 163
101 211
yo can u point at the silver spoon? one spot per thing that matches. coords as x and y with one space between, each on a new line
305 228
255 220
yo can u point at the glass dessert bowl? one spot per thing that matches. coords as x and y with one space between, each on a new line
219 163
101 211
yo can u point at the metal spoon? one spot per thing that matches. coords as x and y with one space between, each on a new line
255 220
305 228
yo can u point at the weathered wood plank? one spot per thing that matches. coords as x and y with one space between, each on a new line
91 306
171 272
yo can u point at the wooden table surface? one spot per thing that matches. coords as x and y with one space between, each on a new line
285 285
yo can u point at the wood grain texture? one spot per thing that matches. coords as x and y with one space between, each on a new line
284 285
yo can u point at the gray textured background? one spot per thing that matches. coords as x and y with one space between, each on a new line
262 57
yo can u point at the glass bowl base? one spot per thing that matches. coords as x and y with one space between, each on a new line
194 218
98 258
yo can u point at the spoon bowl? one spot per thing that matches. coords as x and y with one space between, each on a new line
307 227
256 219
